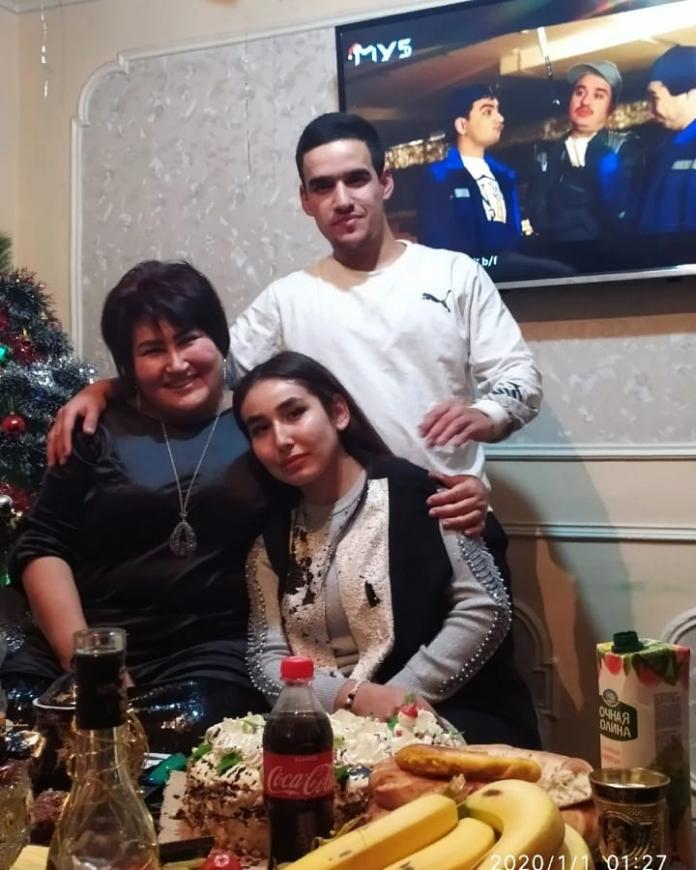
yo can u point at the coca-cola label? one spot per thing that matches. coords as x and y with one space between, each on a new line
298 777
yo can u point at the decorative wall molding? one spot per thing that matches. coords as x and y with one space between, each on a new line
676 631
544 663
602 532
590 452
119 66
81 121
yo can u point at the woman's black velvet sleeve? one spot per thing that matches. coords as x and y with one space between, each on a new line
52 527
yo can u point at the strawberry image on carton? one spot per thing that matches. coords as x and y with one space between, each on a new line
643 721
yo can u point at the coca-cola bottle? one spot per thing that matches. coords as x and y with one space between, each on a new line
298 779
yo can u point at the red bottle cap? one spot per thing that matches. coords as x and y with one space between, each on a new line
296 668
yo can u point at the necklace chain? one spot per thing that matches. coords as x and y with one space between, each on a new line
330 546
304 515
182 541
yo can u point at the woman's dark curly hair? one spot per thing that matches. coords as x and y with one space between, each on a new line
155 290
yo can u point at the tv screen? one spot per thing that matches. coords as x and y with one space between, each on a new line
551 141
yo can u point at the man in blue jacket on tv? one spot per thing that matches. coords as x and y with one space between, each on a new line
468 199
668 202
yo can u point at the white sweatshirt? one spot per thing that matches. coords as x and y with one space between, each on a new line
428 327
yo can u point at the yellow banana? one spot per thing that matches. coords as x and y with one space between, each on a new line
461 849
394 836
574 853
528 821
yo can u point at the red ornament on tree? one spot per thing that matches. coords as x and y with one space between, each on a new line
13 424
23 350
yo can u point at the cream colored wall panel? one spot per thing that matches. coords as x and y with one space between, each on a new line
9 123
44 136
651 494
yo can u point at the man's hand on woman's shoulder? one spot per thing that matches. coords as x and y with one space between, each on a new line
88 404
453 422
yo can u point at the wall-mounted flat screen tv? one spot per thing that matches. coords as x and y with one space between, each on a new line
552 140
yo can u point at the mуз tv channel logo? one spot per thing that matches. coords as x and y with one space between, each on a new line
397 49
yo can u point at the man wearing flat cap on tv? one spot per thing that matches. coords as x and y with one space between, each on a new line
582 183
468 200
668 202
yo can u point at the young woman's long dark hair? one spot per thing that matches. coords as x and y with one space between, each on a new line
359 438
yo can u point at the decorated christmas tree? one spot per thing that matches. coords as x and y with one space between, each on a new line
38 374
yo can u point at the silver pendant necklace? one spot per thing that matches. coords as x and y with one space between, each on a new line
183 541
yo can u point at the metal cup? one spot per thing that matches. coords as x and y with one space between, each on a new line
632 809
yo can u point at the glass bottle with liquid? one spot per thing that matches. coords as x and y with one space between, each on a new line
105 823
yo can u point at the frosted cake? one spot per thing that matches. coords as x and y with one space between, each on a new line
223 795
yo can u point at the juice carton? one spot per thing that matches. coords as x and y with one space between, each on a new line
644 721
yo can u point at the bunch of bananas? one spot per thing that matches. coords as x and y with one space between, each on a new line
511 825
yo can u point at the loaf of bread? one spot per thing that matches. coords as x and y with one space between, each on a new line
391 786
447 761
565 779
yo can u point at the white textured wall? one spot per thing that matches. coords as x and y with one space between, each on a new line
598 495
189 154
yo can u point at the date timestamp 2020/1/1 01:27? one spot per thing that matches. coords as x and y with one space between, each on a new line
562 862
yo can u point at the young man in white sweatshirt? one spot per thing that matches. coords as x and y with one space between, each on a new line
419 336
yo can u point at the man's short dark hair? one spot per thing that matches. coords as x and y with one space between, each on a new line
153 290
334 126
461 101
676 69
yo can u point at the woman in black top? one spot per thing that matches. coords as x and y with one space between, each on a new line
148 523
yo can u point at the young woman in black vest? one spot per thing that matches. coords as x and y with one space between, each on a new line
355 574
